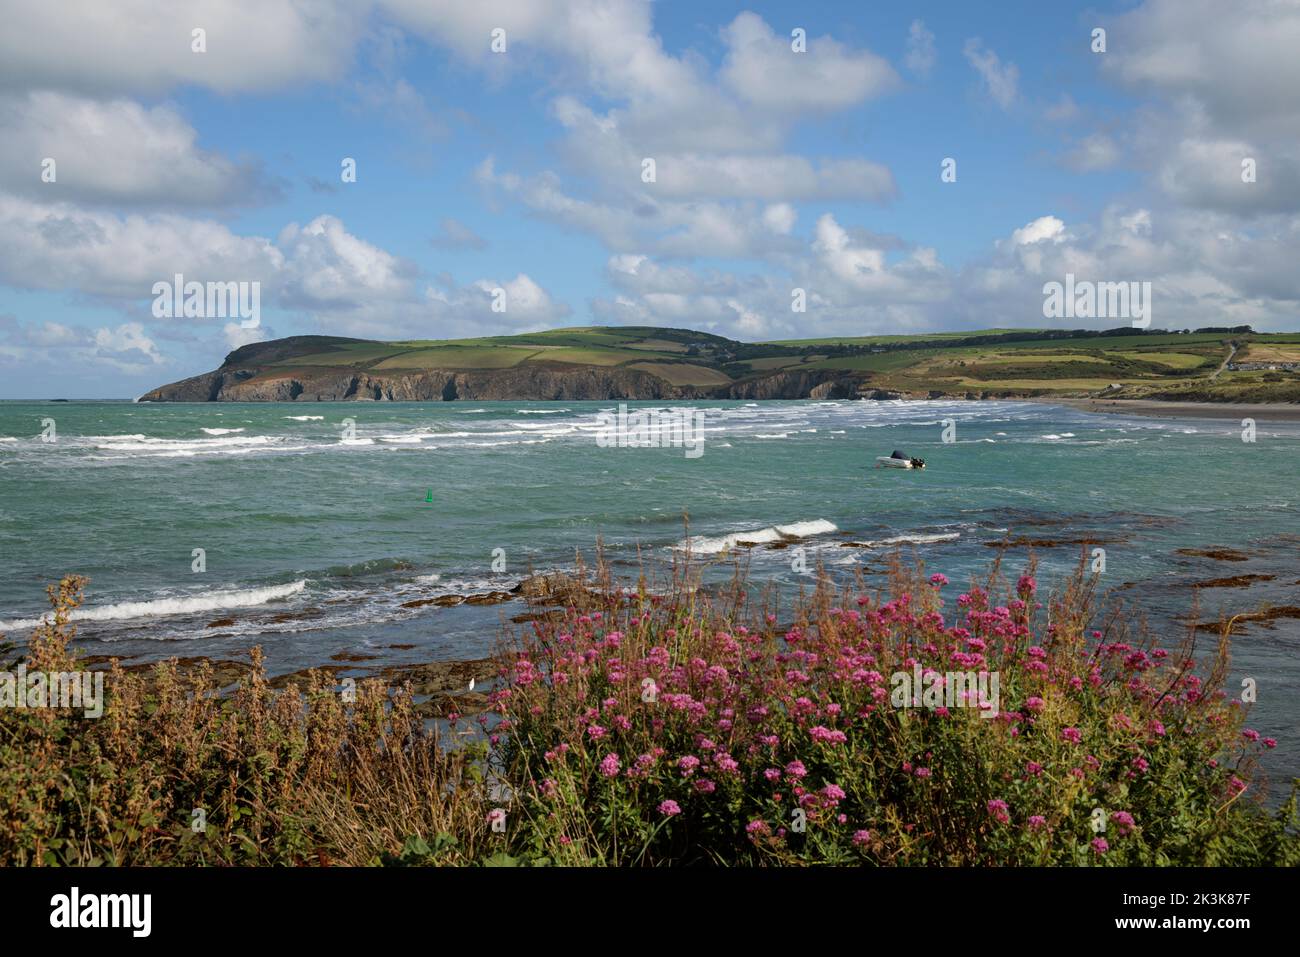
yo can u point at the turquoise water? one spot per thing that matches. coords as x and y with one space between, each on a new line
314 541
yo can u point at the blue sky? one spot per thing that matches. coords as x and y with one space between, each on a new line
520 171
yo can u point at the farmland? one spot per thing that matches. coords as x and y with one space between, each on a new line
986 363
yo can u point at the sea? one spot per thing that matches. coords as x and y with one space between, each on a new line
315 529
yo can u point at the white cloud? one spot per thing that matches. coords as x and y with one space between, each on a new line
141 46
320 269
772 178
61 246
326 266
115 151
1063 110
236 335
1000 80
761 68
780 218
126 348
1238 63
1042 228
456 235
1093 153
920 49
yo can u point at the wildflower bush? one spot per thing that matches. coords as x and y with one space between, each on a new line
173 773
654 730
672 725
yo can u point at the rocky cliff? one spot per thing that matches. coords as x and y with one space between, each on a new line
237 382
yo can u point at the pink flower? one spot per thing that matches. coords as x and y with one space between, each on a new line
688 764
795 769
826 735
834 793
938 579
669 808
1072 735
922 772
1099 845
1124 822
998 811
1037 822
609 765
861 838
1270 742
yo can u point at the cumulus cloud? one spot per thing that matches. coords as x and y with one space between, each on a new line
319 270
763 69
126 348
1239 64
140 46
60 246
117 152
1041 229
1203 268
1223 87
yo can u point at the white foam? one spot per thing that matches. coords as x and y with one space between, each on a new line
214 601
222 431
305 418
223 443
702 545
919 539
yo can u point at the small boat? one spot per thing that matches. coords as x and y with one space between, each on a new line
899 461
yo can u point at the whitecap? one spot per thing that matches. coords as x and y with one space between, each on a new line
704 545
212 601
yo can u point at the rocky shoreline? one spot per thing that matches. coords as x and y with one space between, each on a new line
460 686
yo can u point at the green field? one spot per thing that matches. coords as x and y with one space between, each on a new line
1121 363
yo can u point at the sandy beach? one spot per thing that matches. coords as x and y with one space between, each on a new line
1262 411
